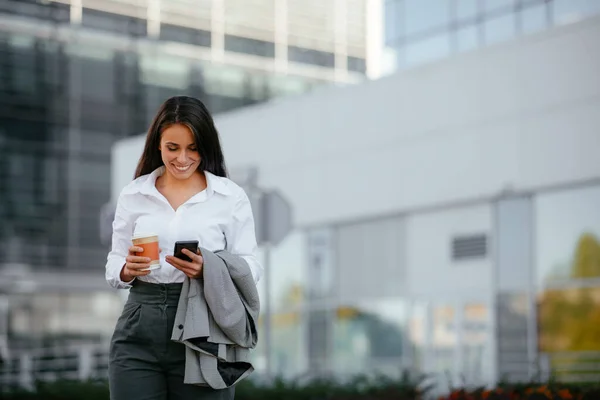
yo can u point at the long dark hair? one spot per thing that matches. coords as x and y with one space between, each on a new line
192 113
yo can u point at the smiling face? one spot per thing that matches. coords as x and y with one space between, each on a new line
179 152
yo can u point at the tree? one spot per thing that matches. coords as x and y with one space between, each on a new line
569 317
586 263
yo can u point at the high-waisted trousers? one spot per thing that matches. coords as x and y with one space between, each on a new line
144 364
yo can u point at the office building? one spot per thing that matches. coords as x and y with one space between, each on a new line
446 216
78 75
419 32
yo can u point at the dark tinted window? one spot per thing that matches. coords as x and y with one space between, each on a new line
357 64
37 9
309 56
185 35
113 22
249 46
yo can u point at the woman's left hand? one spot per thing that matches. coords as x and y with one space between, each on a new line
192 269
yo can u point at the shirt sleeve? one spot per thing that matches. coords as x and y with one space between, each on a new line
121 241
241 237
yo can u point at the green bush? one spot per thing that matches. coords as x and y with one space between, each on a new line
62 390
360 388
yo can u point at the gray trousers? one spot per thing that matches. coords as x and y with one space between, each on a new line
144 364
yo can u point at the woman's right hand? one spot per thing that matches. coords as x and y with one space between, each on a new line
135 265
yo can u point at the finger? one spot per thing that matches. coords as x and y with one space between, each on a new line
190 273
137 266
138 272
176 262
137 259
135 249
194 256
183 266
172 262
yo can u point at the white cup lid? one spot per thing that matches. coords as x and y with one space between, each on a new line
143 235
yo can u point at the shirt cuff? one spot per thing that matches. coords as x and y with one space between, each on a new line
113 274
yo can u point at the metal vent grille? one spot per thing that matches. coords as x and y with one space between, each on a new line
469 247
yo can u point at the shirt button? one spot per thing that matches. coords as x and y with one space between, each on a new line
180 326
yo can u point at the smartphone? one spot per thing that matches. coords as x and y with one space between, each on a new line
191 245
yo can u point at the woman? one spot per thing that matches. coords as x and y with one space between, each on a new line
180 192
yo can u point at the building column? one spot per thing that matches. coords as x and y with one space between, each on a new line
374 40
340 36
281 36
217 28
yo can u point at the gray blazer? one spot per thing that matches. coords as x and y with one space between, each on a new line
216 320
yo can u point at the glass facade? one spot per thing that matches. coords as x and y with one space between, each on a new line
77 76
423 31
568 281
65 99
360 297
63 105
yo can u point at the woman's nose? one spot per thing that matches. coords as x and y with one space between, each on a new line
182 156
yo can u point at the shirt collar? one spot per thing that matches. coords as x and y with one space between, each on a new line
214 183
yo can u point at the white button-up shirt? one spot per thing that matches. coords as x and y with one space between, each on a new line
219 217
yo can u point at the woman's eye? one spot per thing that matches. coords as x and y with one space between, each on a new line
193 149
171 148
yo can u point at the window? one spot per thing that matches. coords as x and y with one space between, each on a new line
97 79
185 35
113 22
24 73
244 45
99 116
286 85
567 250
355 245
467 38
476 342
427 50
288 289
319 330
425 15
51 11
533 19
466 9
567 11
512 314
373 333
394 21
166 71
444 337
225 81
309 56
564 223
499 29
357 64
498 6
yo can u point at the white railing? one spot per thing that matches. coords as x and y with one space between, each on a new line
572 366
90 361
77 362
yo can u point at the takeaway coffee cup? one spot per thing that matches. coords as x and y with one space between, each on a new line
148 242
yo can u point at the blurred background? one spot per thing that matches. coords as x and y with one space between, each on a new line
429 170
